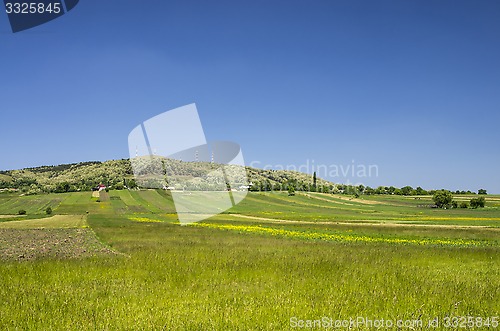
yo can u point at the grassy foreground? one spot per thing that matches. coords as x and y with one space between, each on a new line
417 264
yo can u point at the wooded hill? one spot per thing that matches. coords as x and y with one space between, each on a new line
118 174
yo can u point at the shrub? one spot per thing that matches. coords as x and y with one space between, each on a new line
119 186
477 202
48 211
442 198
454 204
464 205
21 212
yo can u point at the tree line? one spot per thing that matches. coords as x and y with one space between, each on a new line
119 174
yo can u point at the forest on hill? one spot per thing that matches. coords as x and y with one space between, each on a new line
119 175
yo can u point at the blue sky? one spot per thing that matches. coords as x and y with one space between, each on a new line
412 87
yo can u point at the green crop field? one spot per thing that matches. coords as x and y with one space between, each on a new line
123 262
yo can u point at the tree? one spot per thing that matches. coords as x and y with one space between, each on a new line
421 191
291 190
361 188
407 190
477 202
369 190
442 198
464 205
350 190
313 189
254 187
268 186
132 184
63 187
341 188
482 191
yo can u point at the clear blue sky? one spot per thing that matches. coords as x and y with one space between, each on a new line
410 86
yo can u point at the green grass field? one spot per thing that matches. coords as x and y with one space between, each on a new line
127 264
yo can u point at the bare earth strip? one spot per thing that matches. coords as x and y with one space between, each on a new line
60 237
370 223
330 200
359 200
29 244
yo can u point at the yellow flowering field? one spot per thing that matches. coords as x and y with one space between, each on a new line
338 237
144 220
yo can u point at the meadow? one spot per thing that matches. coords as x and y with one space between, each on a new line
122 262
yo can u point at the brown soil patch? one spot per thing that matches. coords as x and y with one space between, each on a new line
30 244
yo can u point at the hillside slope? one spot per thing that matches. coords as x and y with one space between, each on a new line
117 174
